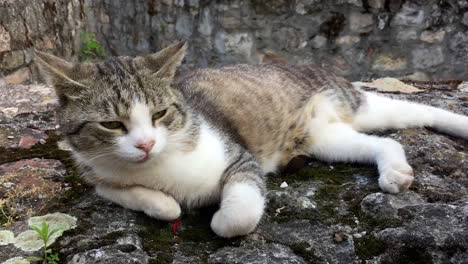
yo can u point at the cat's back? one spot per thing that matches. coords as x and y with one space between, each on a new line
256 103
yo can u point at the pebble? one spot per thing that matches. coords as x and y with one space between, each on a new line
10 137
359 235
8 184
26 142
284 185
340 237
42 141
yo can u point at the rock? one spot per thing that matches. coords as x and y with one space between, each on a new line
465 19
426 57
13 101
307 6
18 77
306 203
32 177
459 43
463 87
432 37
347 40
264 254
117 254
314 241
12 60
319 41
427 236
27 142
340 237
417 76
387 205
409 14
179 3
349 2
205 25
385 62
104 18
4 40
267 7
361 23
407 34
286 38
382 20
193 3
376 3
231 22
184 26
240 44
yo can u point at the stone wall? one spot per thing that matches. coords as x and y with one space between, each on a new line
359 39
49 25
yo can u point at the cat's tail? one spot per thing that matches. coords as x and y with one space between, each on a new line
378 113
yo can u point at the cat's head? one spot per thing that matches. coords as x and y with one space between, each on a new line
122 110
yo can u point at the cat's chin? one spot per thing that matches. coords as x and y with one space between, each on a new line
145 159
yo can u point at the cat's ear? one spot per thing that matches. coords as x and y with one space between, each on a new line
164 63
60 74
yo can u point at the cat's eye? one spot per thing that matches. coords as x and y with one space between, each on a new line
159 115
113 125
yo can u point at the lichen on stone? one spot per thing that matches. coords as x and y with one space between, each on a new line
55 220
6 237
29 241
16 260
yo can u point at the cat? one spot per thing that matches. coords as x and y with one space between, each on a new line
156 142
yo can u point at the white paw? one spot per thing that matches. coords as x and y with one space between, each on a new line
241 210
396 178
165 210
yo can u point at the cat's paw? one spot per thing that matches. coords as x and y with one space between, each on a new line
240 212
396 178
164 209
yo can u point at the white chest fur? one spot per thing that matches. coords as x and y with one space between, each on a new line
190 177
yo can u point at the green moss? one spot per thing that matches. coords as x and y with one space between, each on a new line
369 246
333 185
413 254
113 235
341 173
303 250
194 237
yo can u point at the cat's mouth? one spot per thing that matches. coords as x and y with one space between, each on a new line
144 159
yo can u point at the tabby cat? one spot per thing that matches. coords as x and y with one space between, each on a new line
155 142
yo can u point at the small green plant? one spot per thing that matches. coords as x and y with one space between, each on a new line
45 233
91 50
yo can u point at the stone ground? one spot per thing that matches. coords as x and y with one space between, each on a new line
329 213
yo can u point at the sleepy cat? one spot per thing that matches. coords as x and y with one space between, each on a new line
155 142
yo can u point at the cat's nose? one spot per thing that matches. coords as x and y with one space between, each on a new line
146 145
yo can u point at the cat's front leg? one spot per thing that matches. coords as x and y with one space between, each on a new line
153 203
242 201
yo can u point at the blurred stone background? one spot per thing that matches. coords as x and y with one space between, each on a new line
360 39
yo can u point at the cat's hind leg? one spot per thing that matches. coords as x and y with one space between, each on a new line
340 142
378 113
